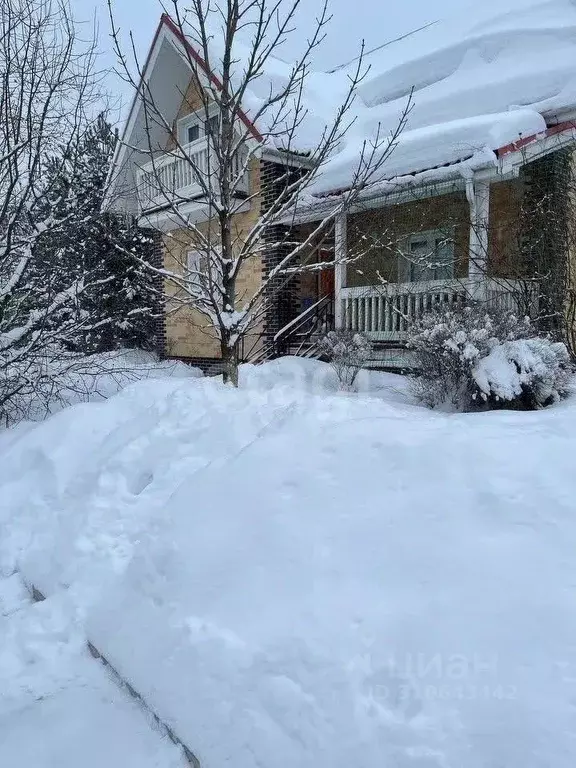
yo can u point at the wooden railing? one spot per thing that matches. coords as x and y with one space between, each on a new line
185 174
385 312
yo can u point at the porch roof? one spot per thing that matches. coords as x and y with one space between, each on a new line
485 78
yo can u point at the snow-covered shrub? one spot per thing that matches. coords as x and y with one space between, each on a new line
469 358
531 373
346 351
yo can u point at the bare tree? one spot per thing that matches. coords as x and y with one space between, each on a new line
46 87
229 46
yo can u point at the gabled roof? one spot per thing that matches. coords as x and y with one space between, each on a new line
168 22
167 73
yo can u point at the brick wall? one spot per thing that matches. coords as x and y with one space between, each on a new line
545 242
157 260
386 229
505 230
570 302
282 298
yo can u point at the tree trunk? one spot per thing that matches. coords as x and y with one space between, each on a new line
230 363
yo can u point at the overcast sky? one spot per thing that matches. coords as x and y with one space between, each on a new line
374 20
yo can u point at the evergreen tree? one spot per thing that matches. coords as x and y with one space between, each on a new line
119 304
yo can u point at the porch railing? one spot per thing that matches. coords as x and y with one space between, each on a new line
184 174
300 335
385 312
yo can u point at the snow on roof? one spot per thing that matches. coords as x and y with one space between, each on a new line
497 72
477 81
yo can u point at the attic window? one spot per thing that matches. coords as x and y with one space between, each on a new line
211 126
197 126
193 133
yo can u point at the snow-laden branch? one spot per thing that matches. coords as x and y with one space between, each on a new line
47 89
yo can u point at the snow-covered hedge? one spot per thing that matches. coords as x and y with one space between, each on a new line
470 358
346 351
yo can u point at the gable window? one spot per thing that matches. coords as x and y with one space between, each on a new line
193 133
197 126
427 255
211 126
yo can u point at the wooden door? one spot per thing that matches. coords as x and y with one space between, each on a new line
326 276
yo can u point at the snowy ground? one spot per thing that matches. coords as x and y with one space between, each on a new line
291 577
58 706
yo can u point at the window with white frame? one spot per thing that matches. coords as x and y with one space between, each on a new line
427 255
192 133
196 269
197 126
198 273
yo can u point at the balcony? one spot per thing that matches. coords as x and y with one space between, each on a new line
183 175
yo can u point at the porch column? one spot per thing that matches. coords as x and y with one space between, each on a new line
478 194
340 253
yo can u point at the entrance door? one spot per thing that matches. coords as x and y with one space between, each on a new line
326 276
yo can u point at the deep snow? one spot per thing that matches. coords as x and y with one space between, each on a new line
59 707
292 576
96 377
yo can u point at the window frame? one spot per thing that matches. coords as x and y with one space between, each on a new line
406 265
200 269
187 129
199 118
194 268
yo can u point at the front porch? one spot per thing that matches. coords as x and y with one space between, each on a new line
385 313
452 245
496 241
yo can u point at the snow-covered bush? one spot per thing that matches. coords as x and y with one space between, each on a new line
469 358
346 351
529 372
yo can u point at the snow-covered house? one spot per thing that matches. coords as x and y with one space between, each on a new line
474 200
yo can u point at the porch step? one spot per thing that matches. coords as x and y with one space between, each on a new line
386 356
391 358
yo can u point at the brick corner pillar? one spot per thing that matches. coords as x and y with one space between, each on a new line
159 306
282 295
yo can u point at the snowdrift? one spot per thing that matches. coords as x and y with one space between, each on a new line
293 577
59 707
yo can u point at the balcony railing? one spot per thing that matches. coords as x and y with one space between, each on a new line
385 312
185 174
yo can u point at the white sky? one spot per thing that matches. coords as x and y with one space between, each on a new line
374 20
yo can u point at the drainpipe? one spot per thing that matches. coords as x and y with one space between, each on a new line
478 195
340 253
